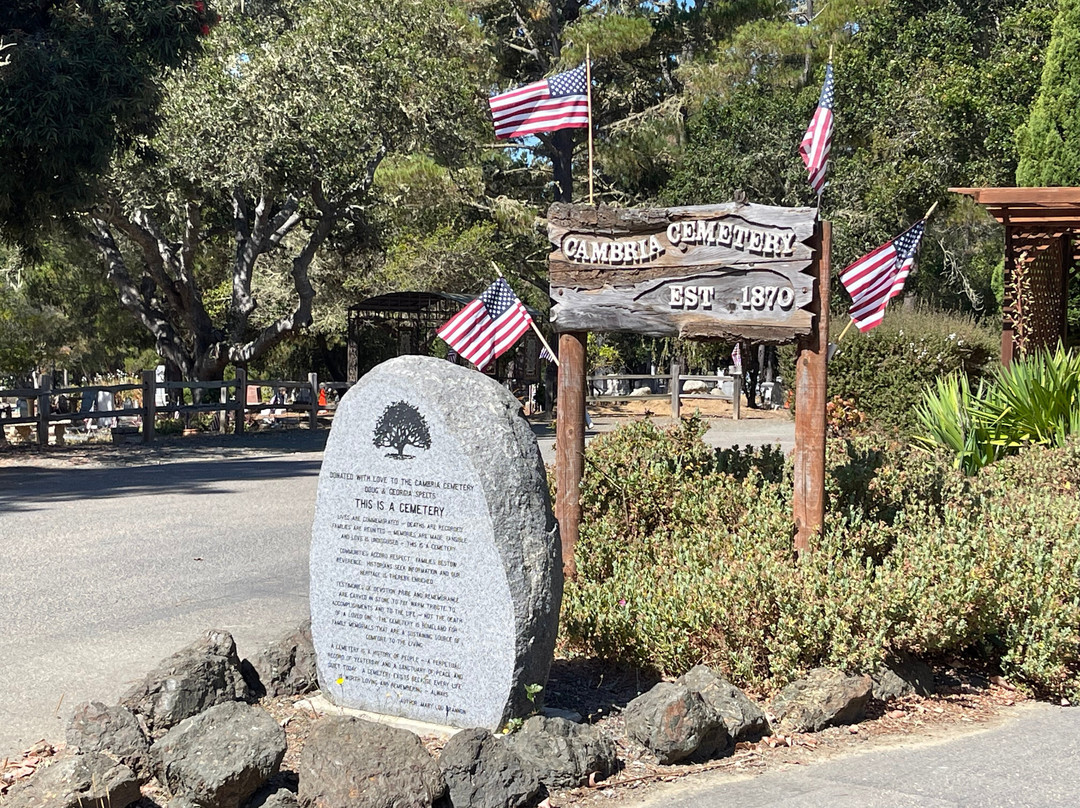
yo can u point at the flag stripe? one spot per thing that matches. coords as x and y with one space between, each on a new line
560 102
879 276
816 143
542 122
488 327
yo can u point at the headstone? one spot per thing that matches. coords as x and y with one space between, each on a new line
436 572
159 389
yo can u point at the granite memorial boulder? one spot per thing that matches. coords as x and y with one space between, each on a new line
436 571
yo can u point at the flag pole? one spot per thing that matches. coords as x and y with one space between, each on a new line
588 88
846 329
932 209
532 322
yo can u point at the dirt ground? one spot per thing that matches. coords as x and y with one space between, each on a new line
708 406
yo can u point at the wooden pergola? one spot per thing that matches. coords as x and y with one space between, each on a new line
1042 230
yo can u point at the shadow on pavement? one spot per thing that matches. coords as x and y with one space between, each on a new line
24 486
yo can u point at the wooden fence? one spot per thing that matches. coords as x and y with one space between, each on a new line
42 414
669 387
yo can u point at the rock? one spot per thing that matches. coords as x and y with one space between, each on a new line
485 585
287 667
221 757
202 675
272 796
89 780
351 763
483 772
563 754
181 801
745 721
695 386
114 730
674 723
556 712
903 676
827 697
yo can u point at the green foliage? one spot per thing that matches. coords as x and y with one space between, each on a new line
886 370
1050 141
83 80
32 337
952 416
1035 401
320 97
747 143
680 562
928 95
169 426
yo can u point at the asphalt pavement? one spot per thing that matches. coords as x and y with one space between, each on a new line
108 570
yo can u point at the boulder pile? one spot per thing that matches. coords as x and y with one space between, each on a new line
191 724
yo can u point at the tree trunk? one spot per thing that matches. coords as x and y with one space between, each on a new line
562 164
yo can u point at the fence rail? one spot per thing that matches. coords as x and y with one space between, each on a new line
41 413
668 386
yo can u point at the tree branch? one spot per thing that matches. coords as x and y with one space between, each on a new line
166 339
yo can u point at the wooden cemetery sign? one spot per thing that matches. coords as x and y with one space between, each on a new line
733 271
714 271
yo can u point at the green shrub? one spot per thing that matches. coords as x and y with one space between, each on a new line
1033 401
885 371
169 426
685 556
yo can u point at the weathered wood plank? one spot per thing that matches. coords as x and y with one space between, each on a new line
761 305
601 218
709 271
564 274
623 238
570 444
811 422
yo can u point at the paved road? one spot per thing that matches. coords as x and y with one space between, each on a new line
108 570
1030 760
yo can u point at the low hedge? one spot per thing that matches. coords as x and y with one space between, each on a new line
685 556
885 371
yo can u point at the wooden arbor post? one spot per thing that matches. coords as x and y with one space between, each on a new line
810 400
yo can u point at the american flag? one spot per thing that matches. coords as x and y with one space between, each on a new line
815 145
546 354
561 102
489 326
878 277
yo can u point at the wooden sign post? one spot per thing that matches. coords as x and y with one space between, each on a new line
733 271
811 397
570 443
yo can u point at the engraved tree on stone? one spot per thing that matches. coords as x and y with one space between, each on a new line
401 425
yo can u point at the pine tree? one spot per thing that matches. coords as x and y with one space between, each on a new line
1050 142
